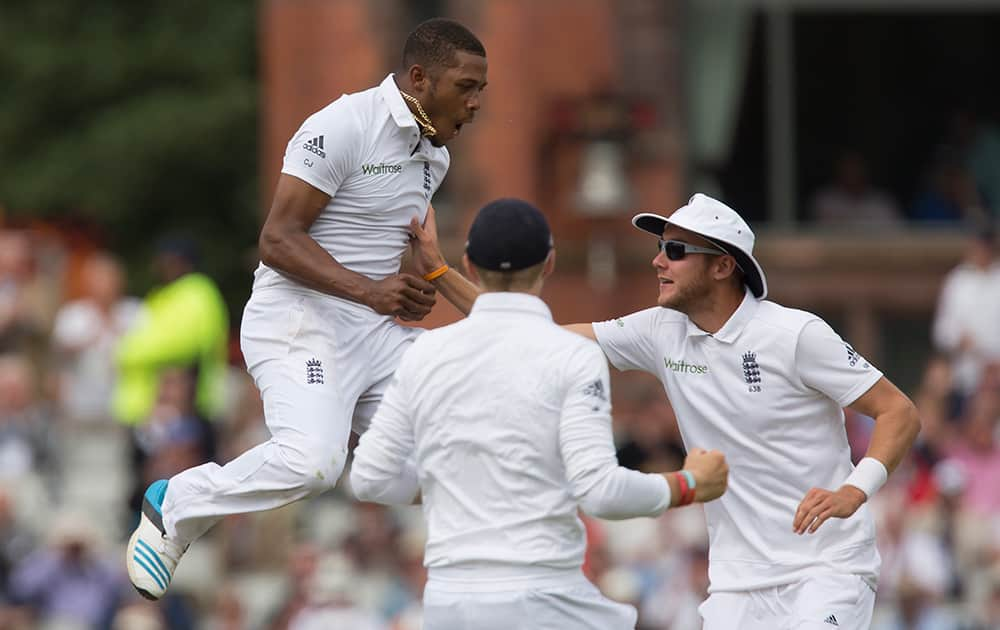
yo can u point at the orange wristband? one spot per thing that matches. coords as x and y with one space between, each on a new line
437 273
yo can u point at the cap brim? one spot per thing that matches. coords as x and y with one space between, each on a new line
649 222
753 274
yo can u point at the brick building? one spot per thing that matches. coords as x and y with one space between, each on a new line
584 114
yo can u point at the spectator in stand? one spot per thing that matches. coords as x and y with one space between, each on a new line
950 196
977 456
25 423
139 616
674 602
85 336
333 599
652 440
987 608
16 541
407 611
968 479
978 139
968 311
302 565
28 298
244 426
920 576
68 581
185 324
851 202
174 437
919 608
938 407
228 612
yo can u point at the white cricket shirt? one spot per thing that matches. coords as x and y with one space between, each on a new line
768 390
366 152
508 419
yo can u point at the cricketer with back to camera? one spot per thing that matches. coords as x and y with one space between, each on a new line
501 423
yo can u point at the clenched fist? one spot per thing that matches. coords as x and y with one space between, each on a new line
404 296
711 473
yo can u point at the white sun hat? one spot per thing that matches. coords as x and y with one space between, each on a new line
720 224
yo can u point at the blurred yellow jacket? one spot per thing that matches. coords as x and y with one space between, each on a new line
185 324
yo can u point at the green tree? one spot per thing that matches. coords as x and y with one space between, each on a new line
140 117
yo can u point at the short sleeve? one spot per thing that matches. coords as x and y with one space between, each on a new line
828 364
629 342
325 149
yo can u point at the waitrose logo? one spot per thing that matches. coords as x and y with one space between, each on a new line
381 169
683 367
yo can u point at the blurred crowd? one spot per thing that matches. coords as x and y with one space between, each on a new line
960 184
102 392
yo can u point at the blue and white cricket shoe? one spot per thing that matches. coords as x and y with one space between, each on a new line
151 556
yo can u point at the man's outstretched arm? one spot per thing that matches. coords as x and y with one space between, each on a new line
604 488
430 263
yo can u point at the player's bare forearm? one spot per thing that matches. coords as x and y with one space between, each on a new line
895 431
457 289
286 245
896 427
428 259
896 422
294 253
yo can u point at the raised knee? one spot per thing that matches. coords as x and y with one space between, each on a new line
311 465
320 472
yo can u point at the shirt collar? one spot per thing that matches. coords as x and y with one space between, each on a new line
736 322
510 302
394 101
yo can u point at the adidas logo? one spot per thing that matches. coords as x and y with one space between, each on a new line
832 621
316 146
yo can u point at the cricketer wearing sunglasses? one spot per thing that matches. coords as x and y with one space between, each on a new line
792 543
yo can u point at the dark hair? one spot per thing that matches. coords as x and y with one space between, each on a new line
507 235
434 43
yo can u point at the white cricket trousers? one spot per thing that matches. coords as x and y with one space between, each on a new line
827 601
321 364
563 604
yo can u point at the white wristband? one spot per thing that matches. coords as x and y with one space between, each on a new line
869 475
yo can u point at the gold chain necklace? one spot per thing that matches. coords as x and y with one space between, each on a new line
423 120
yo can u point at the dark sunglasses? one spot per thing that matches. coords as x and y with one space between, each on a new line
676 250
